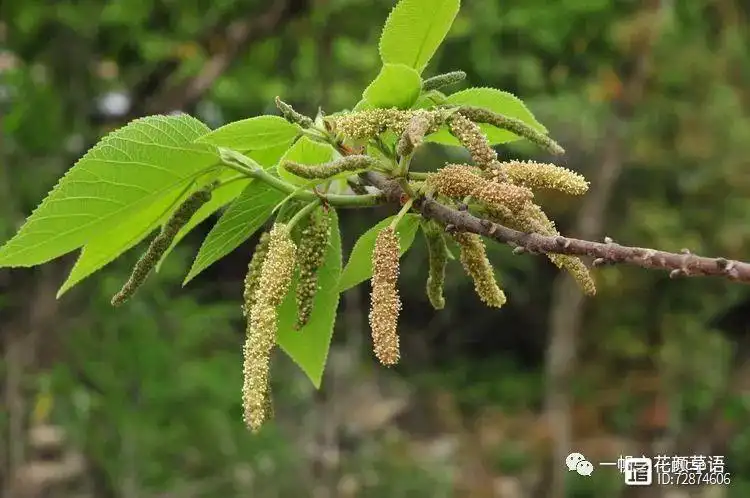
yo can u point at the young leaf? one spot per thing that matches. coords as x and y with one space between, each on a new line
260 132
220 197
247 214
308 347
497 101
415 29
397 85
359 267
430 99
126 172
305 151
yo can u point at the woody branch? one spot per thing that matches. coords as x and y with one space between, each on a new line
682 264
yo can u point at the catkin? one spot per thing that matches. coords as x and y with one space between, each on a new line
545 176
460 180
443 80
477 266
474 140
456 180
252 278
161 243
516 126
275 277
504 195
293 116
438 260
321 171
311 253
369 123
385 301
533 219
421 123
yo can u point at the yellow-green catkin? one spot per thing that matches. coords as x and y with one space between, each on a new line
456 180
371 122
533 219
503 195
438 260
420 124
545 176
516 126
385 301
310 256
252 277
350 163
474 140
477 266
161 243
275 277
460 180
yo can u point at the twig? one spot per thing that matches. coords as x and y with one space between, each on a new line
679 264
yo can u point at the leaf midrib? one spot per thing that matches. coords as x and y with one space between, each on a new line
85 226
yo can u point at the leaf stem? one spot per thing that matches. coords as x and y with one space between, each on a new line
405 209
302 213
335 200
403 165
251 169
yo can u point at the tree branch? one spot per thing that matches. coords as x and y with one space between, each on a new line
679 264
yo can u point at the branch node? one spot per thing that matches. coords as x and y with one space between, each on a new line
519 250
677 273
729 268
722 263
685 251
608 240
451 228
648 254
601 262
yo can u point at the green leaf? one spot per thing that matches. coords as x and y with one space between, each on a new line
260 132
270 156
359 267
220 197
363 105
130 169
247 214
430 99
497 101
108 245
111 243
415 29
308 347
305 151
397 85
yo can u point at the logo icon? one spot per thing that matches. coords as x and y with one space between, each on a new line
578 462
639 471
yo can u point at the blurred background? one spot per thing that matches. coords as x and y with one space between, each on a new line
650 99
